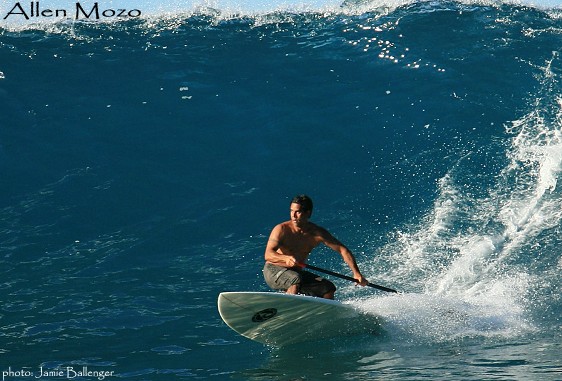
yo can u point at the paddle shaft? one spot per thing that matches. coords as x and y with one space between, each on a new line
382 288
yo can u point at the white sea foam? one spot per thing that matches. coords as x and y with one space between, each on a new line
421 318
468 260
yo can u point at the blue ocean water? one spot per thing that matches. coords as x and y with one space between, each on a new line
143 163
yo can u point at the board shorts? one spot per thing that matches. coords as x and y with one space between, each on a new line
281 278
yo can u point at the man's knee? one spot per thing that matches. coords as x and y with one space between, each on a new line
294 289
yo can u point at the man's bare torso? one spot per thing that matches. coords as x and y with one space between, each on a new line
298 242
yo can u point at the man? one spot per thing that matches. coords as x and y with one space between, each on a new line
290 243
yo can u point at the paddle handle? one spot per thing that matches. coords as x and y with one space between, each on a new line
382 288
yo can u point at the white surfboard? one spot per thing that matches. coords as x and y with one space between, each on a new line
280 319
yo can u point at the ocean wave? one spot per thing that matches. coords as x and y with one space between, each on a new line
61 15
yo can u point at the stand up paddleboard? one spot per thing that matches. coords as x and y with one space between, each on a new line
280 319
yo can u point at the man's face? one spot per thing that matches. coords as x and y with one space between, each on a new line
299 215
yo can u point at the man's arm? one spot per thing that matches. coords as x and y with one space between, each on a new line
271 250
333 243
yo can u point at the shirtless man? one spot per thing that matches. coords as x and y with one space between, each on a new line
290 243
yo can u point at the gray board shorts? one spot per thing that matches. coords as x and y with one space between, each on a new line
281 278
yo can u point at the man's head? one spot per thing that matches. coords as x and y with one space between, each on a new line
301 210
304 201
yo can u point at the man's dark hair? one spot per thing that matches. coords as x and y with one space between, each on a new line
304 201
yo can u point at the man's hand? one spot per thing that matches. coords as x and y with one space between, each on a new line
361 280
291 261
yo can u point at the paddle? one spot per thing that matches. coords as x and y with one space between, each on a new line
382 288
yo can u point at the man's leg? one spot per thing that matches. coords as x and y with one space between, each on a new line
315 285
294 289
329 295
282 278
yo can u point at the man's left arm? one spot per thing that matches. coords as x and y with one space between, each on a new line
334 244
